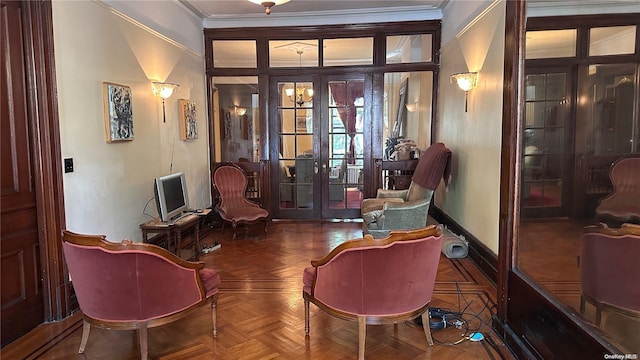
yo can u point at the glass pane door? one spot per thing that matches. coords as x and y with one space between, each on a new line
297 165
544 162
344 134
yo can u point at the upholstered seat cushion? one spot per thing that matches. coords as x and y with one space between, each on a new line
247 214
210 280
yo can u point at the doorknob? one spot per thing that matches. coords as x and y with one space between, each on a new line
324 168
315 167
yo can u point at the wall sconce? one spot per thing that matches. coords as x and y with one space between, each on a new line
299 99
163 90
412 107
269 4
466 81
239 110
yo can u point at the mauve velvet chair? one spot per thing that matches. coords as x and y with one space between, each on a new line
407 209
376 281
609 270
623 204
231 183
129 286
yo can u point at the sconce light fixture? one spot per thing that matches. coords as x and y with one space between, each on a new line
299 98
163 90
239 110
412 107
466 82
269 4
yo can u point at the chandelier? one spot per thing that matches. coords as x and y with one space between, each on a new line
302 95
269 4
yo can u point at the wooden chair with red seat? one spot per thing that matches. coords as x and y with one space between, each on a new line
230 183
376 281
134 286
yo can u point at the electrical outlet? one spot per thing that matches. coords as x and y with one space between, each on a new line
68 165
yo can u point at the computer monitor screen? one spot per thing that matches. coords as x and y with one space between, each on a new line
171 196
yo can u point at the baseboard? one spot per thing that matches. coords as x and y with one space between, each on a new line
513 342
486 260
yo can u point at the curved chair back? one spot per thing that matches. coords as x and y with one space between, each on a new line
128 282
622 204
609 272
364 287
380 277
231 184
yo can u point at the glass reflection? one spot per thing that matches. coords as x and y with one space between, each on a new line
568 150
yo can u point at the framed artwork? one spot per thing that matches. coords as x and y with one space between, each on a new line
226 125
247 126
118 115
188 120
401 117
301 124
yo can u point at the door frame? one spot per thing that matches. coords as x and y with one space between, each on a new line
320 210
44 134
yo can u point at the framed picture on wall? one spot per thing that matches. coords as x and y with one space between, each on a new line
301 124
188 120
118 115
401 117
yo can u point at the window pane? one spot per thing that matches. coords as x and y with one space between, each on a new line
234 54
612 40
345 52
409 48
236 117
551 44
293 53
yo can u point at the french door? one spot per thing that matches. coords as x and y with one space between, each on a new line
319 131
548 146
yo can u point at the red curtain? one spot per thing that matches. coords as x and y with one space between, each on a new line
344 95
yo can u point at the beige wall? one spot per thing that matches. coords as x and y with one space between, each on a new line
112 183
472 198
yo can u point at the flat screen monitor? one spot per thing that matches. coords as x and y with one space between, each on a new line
171 196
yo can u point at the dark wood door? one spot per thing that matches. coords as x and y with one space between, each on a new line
22 300
319 136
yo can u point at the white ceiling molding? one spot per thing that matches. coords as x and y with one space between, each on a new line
360 16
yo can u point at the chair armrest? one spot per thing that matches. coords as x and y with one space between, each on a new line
382 193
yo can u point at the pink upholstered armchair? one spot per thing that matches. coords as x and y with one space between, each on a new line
376 281
623 204
609 270
231 183
129 286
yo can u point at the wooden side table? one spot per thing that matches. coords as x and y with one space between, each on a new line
174 232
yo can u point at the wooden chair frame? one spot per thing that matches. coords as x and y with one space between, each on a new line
368 241
140 326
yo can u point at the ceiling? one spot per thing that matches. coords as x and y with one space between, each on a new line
212 9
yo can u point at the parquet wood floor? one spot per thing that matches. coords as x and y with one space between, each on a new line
261 311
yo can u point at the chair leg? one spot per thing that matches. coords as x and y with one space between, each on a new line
362 335
214 308
425 326
266 221
144 345
306 317
234 225
86 327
